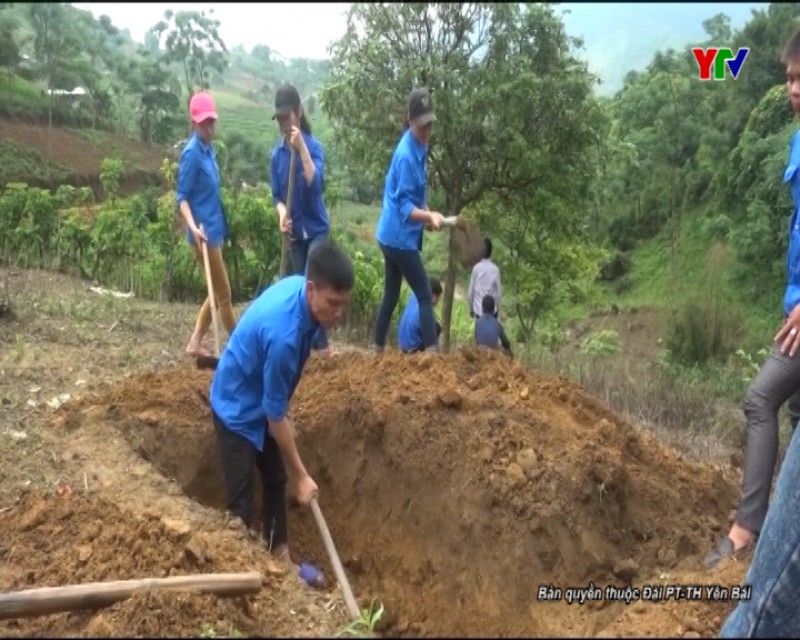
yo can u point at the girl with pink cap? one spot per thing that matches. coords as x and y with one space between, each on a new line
200 205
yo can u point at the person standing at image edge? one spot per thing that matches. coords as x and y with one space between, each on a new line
308 222
774 573
778 380
199 203
403 217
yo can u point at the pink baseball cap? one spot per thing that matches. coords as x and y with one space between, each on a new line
201 106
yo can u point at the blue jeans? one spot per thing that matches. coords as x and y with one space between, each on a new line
775 571
301 250
399 264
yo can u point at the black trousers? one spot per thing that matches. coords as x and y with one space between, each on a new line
238 456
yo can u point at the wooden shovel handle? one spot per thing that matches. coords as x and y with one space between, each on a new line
349 598
93 595
211 300
286 238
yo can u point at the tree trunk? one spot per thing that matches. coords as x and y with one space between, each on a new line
49 129
452 206
189 93
449 291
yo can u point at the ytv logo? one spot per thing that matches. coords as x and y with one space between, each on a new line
717 57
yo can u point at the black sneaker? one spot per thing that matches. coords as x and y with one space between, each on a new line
725 549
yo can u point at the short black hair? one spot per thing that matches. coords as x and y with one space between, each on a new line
436 287
487 304
791 50
330 267
488 244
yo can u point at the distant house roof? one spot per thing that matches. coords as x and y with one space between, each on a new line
77 91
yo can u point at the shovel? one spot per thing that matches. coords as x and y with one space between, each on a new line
347 592
209 362
467 240
287 238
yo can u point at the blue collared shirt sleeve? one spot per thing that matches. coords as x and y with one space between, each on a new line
280 370
794 150
274 178
406 185
187 172
318 158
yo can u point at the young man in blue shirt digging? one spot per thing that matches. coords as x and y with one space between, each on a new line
409 333
254 383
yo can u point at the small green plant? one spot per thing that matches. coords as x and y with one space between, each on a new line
749 364
110 174
364 626
19 348
605 342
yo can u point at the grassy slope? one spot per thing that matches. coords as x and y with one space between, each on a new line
702 266
237 113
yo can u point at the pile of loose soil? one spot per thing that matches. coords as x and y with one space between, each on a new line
53 541
454 486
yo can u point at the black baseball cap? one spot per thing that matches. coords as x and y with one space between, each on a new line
420 107
286 100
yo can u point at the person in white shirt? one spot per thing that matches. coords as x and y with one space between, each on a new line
485 280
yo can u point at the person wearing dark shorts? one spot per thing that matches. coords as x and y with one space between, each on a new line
254 383
778 381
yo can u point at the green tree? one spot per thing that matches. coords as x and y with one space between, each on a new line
191 39
57 45
9 46
100 38
159 107
510 97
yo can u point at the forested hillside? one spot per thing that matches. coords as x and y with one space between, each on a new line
698 166
619 37
134 91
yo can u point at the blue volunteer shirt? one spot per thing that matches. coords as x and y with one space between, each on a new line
409 334
198 184
487 331
404 189
262 363
309 215
792 296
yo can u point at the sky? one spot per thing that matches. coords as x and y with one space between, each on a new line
284 27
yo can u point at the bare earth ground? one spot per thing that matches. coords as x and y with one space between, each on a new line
71 149
453 487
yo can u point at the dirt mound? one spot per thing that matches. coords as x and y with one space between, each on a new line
52 541
455 486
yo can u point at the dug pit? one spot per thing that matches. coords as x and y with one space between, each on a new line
454 486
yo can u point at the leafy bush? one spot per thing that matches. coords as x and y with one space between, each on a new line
135 244
703 330
621 233
718 227
603 343
617 267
